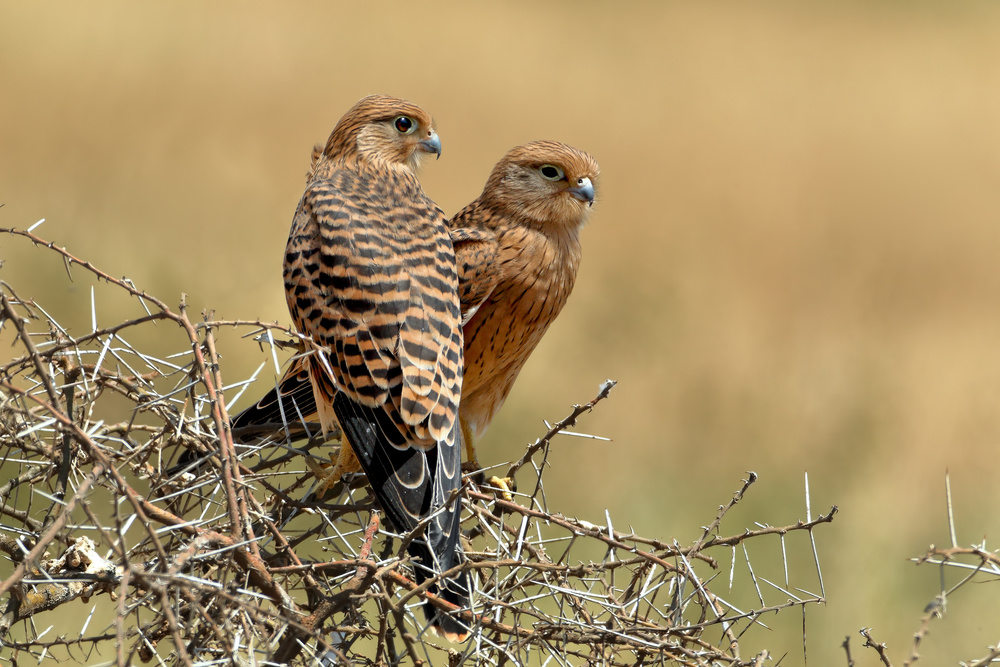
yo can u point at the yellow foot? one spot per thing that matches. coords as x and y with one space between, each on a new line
471 467
505 485
329 474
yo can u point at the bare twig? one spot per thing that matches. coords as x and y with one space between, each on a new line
219 551
565 423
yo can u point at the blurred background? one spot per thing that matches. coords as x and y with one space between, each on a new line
793 266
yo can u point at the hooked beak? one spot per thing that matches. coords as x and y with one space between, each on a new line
432 145
584 191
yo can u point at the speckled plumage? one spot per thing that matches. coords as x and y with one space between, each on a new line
370 275
518 250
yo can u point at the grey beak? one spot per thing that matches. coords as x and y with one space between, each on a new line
432 145
584 190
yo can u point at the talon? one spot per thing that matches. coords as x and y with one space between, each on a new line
329 474
505 485
326 473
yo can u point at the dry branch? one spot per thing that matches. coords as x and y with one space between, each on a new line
974 563
211 546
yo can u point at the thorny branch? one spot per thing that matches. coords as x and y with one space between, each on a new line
561 426
956 559
207 546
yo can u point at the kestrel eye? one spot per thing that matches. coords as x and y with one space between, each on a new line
404 124
551 172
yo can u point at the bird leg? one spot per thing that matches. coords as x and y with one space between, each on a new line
328 475
471 461
505 485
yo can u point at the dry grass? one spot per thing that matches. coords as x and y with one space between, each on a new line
792 266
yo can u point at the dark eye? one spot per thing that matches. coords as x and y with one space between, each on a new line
404 124
551 172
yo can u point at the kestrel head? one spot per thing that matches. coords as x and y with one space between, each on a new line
384 129
545 181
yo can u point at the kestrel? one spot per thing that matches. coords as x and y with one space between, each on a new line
518 249
370 276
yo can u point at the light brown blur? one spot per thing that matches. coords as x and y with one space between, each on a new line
793 264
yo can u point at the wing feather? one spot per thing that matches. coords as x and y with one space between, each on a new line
477 251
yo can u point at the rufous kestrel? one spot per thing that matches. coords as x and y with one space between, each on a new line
518 249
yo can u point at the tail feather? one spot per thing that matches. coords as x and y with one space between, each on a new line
290 405
411 483
455 591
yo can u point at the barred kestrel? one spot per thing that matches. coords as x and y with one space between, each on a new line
518 249
370 276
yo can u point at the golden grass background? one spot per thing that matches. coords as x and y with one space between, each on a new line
793 265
